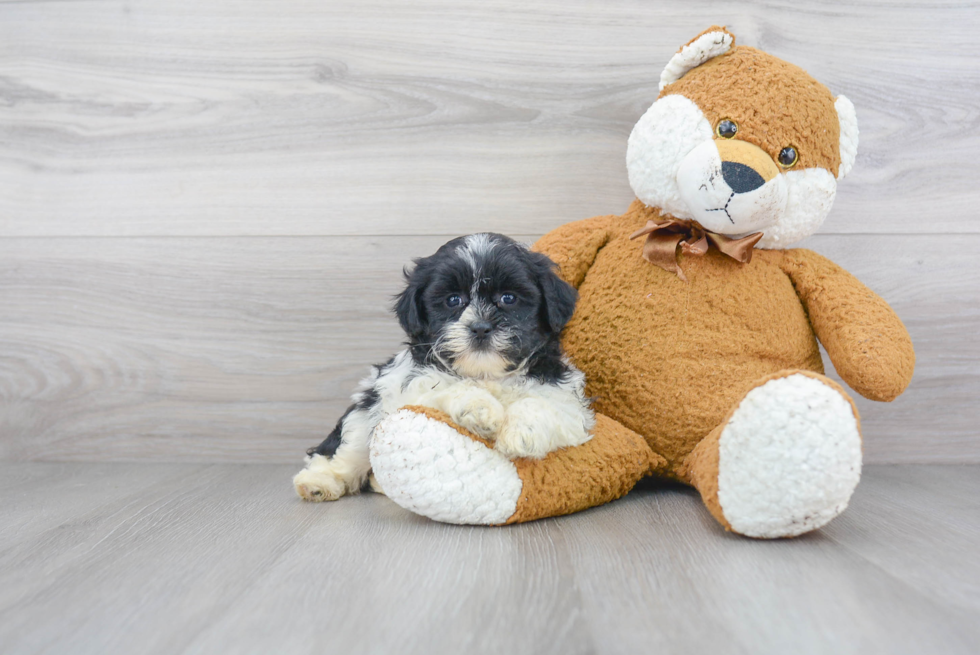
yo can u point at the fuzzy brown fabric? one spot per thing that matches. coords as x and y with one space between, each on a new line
868 344
777 106
702 471
669 359
572 479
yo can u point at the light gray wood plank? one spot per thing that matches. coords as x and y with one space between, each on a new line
68 536
657 573
144 348
906 509
247 349
435 117
143 574
226 559
43 496
373 578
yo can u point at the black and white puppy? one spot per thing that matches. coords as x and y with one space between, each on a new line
483 317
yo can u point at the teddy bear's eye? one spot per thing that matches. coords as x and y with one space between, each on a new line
726 128
788 157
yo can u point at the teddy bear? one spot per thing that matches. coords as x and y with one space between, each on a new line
697 323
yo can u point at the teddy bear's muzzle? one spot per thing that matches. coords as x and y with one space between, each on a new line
731 187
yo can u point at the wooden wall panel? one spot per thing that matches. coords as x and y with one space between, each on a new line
246 349
205 205
305 117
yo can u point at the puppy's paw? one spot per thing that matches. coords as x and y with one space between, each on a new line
479 412
319 483
518 439
534 428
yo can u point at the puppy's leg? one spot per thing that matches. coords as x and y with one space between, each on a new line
340 464
475 409
538 425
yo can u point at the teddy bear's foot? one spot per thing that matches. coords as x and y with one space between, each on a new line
786 460
433 467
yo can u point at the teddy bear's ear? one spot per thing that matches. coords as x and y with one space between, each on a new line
710 43
848 135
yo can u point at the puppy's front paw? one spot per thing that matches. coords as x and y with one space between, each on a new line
534 428
479 412
518 439
318 483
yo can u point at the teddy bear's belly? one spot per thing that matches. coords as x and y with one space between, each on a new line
669 359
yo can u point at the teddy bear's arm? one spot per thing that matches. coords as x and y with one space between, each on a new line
867 342
574 246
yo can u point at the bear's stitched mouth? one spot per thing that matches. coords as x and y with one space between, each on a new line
725 208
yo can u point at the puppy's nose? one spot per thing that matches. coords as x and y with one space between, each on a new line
480 329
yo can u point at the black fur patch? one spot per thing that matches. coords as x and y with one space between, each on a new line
547 367
332 442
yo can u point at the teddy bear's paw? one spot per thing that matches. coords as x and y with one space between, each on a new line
477 411
318 483
789 458
430 468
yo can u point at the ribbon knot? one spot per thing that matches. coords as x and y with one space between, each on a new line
665 238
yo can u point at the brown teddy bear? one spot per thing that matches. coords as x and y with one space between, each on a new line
696 325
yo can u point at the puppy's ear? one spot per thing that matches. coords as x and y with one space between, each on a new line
558 296
408 304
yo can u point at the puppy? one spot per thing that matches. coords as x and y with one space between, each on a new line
483 317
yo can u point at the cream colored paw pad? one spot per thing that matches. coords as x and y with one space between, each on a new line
789 458
429 468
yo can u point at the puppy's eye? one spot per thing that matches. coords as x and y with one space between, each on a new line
726 128
508 299
455 300
788 157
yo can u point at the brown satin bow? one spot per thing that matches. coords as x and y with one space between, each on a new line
663 239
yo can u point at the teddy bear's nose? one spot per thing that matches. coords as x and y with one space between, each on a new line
744 166
741 178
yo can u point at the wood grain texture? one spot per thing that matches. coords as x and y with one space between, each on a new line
882 527
226 559
305 117
247 349
29 492
204 206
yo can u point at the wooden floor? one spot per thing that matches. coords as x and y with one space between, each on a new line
196 558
